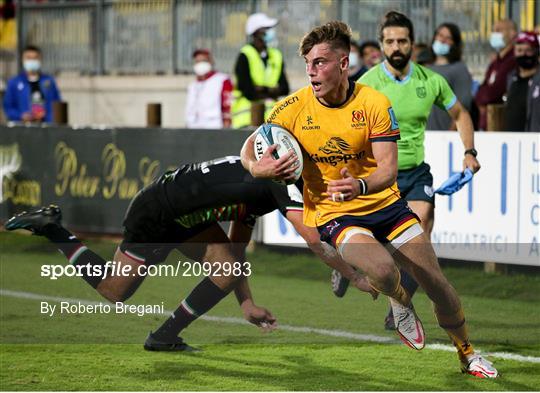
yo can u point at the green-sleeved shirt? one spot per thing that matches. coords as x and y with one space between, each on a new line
412 99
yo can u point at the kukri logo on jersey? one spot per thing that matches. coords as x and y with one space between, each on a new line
310 126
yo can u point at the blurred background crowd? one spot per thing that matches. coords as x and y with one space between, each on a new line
109 58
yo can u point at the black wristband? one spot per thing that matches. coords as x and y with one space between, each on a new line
472 152
363 186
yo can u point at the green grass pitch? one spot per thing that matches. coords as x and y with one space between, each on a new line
104 352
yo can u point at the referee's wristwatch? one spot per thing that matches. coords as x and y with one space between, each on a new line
472 152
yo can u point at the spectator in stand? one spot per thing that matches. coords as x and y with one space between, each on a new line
493 88
370 53
522 102
7 10
29 95
447 48
209 96
533 101
259 71
422 54
533 105
356 68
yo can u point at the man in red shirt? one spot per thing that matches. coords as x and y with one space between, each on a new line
494 86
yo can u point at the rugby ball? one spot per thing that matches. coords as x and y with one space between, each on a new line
269 134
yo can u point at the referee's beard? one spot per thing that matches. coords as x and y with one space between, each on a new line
399 60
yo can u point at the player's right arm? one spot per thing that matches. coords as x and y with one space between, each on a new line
267 166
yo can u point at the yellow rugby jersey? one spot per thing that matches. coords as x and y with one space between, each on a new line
332 138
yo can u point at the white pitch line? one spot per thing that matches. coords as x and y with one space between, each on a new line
289 328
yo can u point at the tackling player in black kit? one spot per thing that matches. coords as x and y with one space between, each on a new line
183 207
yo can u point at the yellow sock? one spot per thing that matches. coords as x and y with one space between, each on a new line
456 328
399 293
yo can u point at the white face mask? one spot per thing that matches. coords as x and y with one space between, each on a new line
353 59
440 48
31 65
496 41
202 68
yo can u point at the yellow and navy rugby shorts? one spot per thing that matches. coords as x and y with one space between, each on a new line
387 225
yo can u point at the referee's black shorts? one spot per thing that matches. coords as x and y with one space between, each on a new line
416 184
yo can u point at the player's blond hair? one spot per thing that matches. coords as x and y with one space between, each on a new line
335 33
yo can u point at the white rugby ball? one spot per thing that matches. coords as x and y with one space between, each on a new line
270 134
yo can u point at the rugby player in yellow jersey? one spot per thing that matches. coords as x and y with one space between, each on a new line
413 90
348 133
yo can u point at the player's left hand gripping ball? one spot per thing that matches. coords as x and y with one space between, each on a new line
272 134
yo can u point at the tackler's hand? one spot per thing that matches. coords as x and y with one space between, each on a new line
260 316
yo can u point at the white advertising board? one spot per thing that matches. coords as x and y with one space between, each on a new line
496 217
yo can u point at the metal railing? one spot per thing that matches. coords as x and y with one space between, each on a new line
158 36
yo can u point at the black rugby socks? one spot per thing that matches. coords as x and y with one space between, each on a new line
203 297
408 282
77 254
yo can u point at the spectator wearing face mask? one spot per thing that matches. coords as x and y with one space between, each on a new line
523 102
370 54
447 48
362 58
493 88
356 68
29 96
209 96
259 71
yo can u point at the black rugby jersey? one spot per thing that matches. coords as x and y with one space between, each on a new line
222 190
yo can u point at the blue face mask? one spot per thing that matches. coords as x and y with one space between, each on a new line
269 36
440 48
496 41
